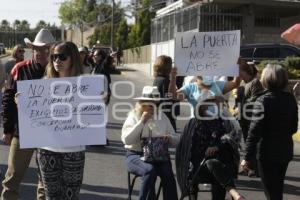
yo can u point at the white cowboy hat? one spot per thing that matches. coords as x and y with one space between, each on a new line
151 93
42 38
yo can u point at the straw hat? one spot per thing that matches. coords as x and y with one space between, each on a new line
151 93
42 38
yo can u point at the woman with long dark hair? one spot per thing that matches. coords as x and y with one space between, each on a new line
62 167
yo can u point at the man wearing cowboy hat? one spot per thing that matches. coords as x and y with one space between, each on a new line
19 159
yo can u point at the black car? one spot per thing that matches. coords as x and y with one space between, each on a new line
258 52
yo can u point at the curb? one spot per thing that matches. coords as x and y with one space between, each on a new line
4 55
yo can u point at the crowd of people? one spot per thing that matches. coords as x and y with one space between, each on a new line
208 149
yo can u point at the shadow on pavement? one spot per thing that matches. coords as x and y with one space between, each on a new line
117 126
249 185
107 189
296 158
291 178
291 189
114 147
256 185
126 69
86 196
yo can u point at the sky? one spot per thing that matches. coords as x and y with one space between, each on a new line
32 10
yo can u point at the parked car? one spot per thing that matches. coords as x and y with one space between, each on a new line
2 48
258 52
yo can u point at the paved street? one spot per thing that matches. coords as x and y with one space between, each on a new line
105 175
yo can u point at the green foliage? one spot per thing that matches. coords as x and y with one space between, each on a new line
101 34
122 35
291 64
144 24
42 24
88 13
140 33
5 25
105 34
133 37
94 37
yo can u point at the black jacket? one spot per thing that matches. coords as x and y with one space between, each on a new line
25 70
248 94
190 151
278 112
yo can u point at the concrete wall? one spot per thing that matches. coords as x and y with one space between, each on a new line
137 55
74 35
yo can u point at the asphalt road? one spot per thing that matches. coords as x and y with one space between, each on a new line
105 176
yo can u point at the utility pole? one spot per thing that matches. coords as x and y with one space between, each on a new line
112 25
81 30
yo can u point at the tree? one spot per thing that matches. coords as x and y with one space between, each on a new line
144 23
17 24
5 35
133 38
5 26
24 26
42 24
122 35
87 13
140 33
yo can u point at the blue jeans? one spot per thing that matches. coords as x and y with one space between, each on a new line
148 173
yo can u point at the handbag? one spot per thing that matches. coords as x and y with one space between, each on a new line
155 149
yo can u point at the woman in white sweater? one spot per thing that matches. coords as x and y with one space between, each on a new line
146 118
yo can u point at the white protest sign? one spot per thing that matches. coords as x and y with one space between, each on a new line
61 112
207 53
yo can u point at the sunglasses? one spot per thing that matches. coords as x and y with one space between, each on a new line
60 56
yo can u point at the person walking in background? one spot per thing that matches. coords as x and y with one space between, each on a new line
62 167
17 55
162 68
274 121
83 52
103 65
247 95
19 159
144 117
2 81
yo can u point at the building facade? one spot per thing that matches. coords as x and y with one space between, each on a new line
260 21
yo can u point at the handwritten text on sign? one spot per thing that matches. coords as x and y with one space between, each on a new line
61 112
207 53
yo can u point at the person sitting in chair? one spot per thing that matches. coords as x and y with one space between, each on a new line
148 121
208 151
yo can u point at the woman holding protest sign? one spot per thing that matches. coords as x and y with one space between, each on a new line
146 122
203 87
62 167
